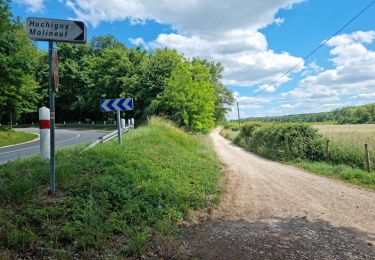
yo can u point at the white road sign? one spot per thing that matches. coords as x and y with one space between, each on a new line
43 29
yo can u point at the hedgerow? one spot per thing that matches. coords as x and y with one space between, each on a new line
294 142
282 141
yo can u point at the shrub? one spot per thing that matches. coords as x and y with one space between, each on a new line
283 141
248 129
232 126
344 155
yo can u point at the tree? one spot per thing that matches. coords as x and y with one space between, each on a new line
153 73
105 73
223 96
19 91
188 98
72 81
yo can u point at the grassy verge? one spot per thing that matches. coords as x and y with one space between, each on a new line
229 134
348 173
341 172
111 199
10 137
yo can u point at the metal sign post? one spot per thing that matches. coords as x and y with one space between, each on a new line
54 30
119 127
118 105
55 60
52 113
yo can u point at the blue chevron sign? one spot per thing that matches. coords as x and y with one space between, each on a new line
118 104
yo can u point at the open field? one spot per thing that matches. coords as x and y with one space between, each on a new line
347 143
351 136
9 137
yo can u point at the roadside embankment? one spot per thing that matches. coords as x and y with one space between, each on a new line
111 200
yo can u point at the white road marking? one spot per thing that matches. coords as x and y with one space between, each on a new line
15 151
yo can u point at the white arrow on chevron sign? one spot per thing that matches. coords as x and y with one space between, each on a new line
115 104
119 104
126 103
104 107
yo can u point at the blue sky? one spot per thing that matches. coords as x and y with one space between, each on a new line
256 41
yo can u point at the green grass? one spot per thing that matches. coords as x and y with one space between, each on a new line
10 137
229 134
111 199
341 172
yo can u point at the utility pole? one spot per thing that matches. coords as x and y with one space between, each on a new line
239 119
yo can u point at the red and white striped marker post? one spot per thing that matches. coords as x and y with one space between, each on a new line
44 130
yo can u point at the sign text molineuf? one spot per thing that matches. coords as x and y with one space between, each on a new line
43 29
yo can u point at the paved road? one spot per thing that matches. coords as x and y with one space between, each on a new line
64 137
275 211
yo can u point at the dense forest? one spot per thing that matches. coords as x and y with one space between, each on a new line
347 115
161 82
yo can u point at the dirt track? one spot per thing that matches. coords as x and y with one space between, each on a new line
275 211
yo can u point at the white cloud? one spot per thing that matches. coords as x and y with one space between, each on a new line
245 56
356 37
286 106
248 105
311 68
365 95
353 72
33 6
196 17
224 31
252 100
266 88
351 81
137 41
272 87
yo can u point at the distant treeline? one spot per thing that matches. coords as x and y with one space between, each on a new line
347 115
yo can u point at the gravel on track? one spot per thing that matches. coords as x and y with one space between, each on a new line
276 211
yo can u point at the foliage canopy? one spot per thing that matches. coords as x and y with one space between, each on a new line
160 81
